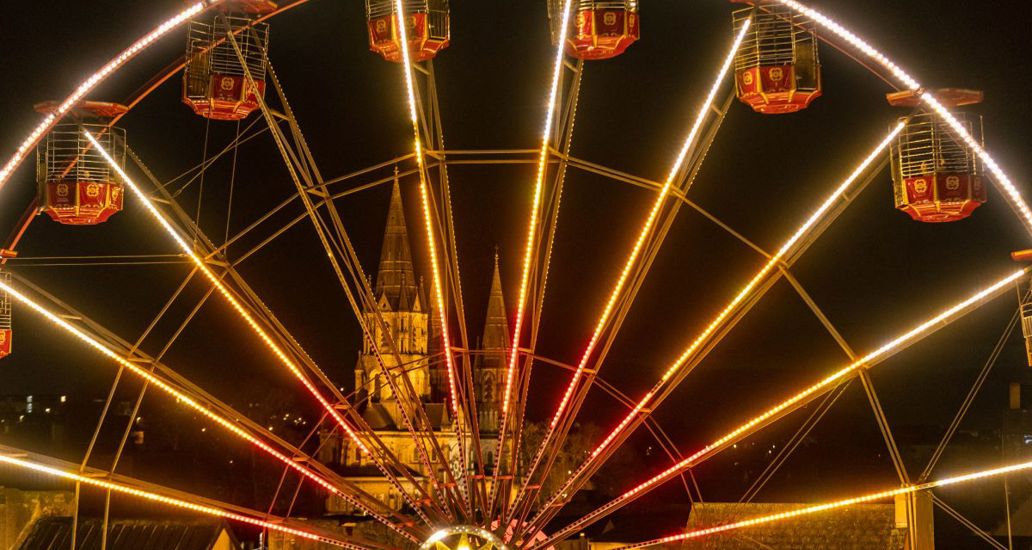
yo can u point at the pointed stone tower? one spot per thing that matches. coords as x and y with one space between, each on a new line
490 366
404 310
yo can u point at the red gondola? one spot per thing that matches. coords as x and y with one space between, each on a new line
936 177
76 184
6 332
428 28
777 69
599 29
215 83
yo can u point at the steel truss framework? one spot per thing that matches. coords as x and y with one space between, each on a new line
472 492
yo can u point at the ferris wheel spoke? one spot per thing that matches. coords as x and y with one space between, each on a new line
790 446
971 526
801 399
569 95
807 233
536 255
698 533
431 121
184 387
973 392
17 458
189 395
439 252
631 280
868 52
657 223
865 379
277 343
301 166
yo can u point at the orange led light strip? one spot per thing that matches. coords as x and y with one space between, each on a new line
424 195
90 83
1011 191
181 397
747 290
800 398
650 221
782 516
646 230
535 210
233 301
170 501
759 421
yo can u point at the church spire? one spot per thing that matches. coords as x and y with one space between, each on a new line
396 278
496 324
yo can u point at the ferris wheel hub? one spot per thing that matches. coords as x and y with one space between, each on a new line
463 537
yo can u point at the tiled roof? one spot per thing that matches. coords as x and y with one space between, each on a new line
55 533
860 527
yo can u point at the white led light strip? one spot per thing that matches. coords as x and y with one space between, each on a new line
90 83
1001 178
650 221
535 209
224 291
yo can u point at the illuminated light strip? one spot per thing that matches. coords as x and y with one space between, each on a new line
761 520
535 212
650 221
183 398
747 290
170 501
424 195
745 429
90 83
1001 177
633 257
224 291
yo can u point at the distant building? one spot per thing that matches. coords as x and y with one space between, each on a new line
59 422
411 325
859 527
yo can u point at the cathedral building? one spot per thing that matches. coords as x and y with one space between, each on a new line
415 331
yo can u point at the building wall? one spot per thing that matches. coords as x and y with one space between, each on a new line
18 509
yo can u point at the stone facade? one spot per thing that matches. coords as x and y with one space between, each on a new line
404 322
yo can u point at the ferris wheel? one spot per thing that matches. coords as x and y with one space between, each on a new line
469 472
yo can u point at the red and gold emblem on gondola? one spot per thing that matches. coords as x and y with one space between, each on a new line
921 186
92 190
777 74
953 183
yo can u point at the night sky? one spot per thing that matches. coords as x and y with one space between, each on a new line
875 272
